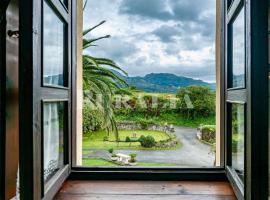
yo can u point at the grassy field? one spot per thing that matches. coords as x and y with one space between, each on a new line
169 118
97 162
96 140
165 95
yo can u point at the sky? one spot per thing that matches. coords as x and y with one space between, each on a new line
156 36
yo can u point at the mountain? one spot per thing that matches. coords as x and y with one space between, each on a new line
164 82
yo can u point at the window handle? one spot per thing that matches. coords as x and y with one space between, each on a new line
13 34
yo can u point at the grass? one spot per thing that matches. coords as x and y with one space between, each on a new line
165 95
95 140
169 118
98 162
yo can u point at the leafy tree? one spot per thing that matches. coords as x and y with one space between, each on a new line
195 101
93 119
99 81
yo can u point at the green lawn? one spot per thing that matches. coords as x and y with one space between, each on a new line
95 140
98 162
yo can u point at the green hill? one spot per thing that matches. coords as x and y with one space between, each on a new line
164 82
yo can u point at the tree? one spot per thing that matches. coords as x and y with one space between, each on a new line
196 101
100 81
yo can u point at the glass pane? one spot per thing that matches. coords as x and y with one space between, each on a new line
238 138
238 56
53 133
53 50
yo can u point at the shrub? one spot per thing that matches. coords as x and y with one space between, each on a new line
128 139
105 138
142 138
92 118
209 133
147 141
144 124
196 101
110 150
132 157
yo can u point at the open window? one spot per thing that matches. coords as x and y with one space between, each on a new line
50 96
245 100
164 105
53 75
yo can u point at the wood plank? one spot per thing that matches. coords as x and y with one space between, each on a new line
145 190
144 197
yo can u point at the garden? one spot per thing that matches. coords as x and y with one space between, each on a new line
151 126
129 139
124 125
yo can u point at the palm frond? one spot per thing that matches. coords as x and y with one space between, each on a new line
85 32
100 79
84 5
88 42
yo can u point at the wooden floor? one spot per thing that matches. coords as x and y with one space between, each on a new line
145 190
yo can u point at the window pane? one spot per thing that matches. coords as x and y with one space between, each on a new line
53 133
238 56
238 138
53 50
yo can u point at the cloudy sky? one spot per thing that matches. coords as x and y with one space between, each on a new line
156 36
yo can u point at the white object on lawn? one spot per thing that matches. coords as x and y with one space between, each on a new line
123 158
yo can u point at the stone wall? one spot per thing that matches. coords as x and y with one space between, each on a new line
129 125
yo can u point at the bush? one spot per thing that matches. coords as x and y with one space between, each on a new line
209 133
144 124
128 139
105 138
142 138
145 105
92 119
132 157
147 141
196 101
110 150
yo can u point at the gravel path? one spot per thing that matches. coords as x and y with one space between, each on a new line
192 154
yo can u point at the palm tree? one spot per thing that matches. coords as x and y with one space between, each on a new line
101 81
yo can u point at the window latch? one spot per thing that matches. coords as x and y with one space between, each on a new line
13 34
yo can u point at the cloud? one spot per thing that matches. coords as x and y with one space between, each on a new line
151 8
184 10
166 33
114 48
175 36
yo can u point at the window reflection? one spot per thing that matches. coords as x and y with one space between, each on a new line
53 51
238 57
238 138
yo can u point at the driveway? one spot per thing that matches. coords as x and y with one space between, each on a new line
192 154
